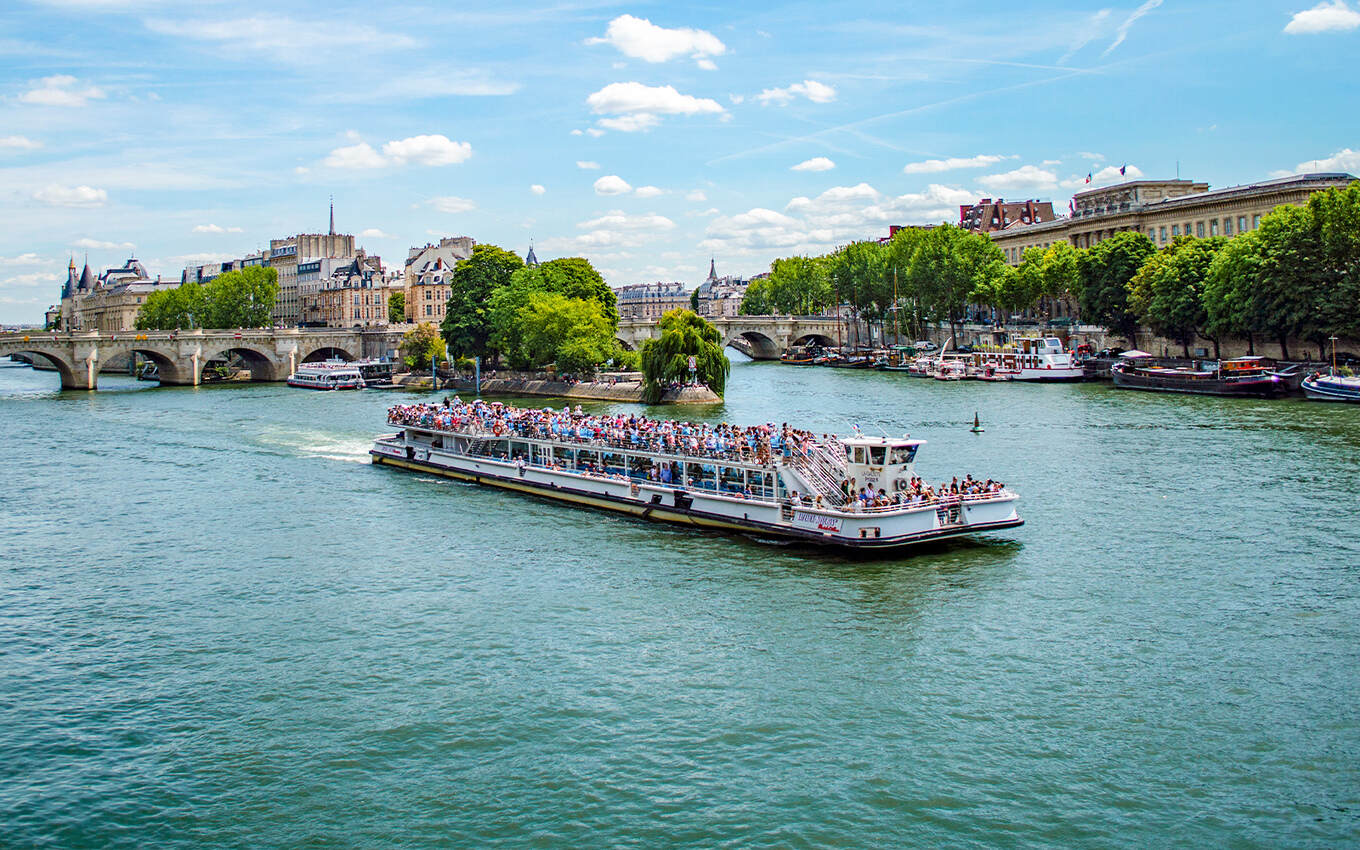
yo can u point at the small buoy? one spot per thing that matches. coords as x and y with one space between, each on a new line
977 424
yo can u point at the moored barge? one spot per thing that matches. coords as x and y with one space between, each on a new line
770 483
1243 376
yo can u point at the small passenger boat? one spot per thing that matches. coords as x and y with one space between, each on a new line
1334 387
1031 359
1243 376
800 355
327 376
771 482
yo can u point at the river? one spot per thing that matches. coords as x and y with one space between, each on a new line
220 626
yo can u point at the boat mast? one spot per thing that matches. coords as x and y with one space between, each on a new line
1333 339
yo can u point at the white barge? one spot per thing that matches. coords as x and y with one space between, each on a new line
771 485
1029 359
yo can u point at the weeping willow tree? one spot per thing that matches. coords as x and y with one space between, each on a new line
684 334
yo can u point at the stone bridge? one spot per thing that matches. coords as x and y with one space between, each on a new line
763 337
270 354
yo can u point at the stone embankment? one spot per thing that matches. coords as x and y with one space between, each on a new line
609 390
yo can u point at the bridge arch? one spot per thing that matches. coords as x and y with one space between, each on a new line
166 366
624 344
817 339
70 380
762 347
326 352
262 367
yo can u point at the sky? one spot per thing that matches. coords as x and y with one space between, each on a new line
649 138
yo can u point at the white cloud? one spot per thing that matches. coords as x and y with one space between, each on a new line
696 195
638 107
935 166
60 90
737 98
1343 160
215 228
30 280
706 64
648 191
811 89
20 143
101 245
25 259
537 188
631 123
576 132
375 233
1025 178
434 149
639 38
1324 17
289 39
452 204
612 184
817 163
619 220
594 132
1097 157
840 214
357 156
587 165
1123 31
71 196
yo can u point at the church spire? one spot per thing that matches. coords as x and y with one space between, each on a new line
712 270
332 215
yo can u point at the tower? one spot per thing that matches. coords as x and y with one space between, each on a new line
530 259
712 271
332 233
72 281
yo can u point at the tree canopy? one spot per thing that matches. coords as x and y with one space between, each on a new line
396 308
467 325
1104 272
1167 292
572 278
243 298
420 344
683 334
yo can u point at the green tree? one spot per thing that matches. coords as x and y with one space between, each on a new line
856 273
467 325
574 333
243 298
800 286
1230 303
420 344
694 300
1167 292
1061 276
180 308
947 267
1104 272
396 308
572 278
683 335
756 301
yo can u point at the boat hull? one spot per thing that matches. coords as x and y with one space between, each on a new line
685 507
1267 387
306 386
1325 391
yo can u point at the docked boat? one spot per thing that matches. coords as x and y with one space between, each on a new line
899 358
800 355
771 483
1333 387
1243 376
1030 359
952 367
327 376
924 366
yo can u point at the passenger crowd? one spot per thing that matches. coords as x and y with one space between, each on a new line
750 444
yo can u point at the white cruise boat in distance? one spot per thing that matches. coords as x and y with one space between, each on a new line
328 375
763 480
1030 359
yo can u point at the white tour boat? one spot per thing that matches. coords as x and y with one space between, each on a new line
1030 359
776 485
329 375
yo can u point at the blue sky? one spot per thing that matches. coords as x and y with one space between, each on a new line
647 138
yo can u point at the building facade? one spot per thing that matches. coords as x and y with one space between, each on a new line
1164 210
650 300
109 302
427 277
987 215
351 294
721 296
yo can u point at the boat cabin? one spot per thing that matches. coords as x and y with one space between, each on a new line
881 462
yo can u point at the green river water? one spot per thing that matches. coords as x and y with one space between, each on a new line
221 626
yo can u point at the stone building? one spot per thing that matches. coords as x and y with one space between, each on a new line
1163 209
427 275
109 302
720 296
351 293
650 300
987 215
288 253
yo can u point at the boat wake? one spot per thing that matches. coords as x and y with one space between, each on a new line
319 444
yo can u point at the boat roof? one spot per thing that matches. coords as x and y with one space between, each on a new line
863 440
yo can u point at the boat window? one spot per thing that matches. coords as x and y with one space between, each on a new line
700 475
613 463
519 450
876 455
731 479
564 456
903 454
859 454
587 459
849 454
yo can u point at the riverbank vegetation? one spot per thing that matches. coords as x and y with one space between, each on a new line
237 299
1295 277
685 338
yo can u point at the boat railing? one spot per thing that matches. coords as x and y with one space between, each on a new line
936 502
